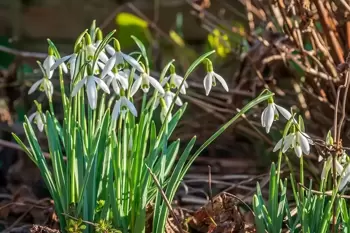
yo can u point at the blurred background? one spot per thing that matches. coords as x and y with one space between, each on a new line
257 46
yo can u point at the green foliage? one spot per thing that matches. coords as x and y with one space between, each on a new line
98 168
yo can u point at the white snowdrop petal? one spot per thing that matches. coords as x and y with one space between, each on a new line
263 123
298 151
123 81
208 82
304 143
101 84
91 92
222 81
131 107
60 61
285 113
156 85
344 181
110 49
178 101
64 68
116 87
48 63
31 117
78 86
135 86
103 57
278 145
72 67
116 110
288 141
165 80
108 67
35 86
183 90
40 123
339 168
269 117
132 61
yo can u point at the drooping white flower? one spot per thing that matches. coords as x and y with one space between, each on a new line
39 119
210 80
163 113
71 60
270 113
175 82
144 81
327 166
47 64
118 79
122 106
299 141
168 98
118 58
91 50
90 81
43 84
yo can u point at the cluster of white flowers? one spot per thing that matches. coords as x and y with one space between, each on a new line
296 139
97 65
300 142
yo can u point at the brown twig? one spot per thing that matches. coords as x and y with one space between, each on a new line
166 201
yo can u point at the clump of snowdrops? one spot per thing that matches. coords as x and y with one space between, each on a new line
323 210
110 159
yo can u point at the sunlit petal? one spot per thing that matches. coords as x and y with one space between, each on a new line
278 145
135 86
132 61
208 82
304 143
60 61
101 84
285 113
269 117
298 151
35 86
222 81
156 85
108 67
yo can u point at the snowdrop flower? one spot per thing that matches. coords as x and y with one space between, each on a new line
270 114
143 81
43 84
122 106
91 49
118 79
164 112
71 60
175 81
327 166
168 97
211 77
118 58
299 141
39 119
90 81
